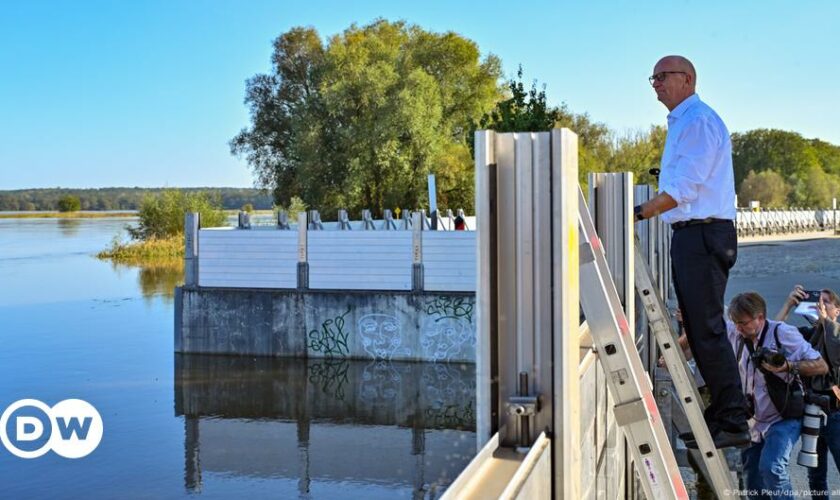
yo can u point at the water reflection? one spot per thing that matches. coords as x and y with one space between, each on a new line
407 426
158 278
68 227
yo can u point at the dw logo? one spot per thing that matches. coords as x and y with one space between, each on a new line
72 428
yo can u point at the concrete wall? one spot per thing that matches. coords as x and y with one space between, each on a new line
390 326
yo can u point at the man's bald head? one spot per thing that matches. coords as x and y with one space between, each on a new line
681 63
674 80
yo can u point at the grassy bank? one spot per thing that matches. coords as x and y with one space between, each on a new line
66 215
154 250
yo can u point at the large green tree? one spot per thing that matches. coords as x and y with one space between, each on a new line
786 153
767 187
69 203
809 167
359 122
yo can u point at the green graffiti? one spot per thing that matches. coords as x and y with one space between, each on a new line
330 376
331 339
451 416
450 307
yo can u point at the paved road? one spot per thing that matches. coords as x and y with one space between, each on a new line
771 269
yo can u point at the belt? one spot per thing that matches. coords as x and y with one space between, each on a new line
693 222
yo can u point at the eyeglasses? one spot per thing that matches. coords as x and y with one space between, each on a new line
662 75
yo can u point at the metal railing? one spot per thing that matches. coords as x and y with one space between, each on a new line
768 222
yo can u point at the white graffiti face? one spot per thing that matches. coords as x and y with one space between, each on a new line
444 338
381 336
380 382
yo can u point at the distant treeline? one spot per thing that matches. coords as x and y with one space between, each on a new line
123 198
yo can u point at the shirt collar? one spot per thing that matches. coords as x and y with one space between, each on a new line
683 107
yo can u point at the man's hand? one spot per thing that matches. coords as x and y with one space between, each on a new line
793 300
776 369
821 313
796 296
655 206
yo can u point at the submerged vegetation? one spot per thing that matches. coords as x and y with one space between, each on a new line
159 234
140 252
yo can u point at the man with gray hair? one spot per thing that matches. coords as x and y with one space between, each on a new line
697 197
769 351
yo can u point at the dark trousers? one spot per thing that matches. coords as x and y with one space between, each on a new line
701 256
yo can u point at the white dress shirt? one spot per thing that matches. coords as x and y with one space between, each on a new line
696 168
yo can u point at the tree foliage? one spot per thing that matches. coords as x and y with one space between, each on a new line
522 111
359 122
810 168
162 216
599 148
69 203
767 187
122 198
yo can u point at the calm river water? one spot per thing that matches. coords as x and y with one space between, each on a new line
72 326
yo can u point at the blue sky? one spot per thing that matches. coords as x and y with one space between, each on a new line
148 93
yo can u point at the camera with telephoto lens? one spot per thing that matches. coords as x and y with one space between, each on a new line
769 356
812 421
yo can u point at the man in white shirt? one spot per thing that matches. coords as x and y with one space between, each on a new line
697 197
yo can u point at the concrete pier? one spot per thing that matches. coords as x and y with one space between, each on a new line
390 326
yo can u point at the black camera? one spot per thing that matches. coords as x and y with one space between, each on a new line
820 400
812 296
769 356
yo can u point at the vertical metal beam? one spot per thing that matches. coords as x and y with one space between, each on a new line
303 253
417 253
191 225
506 280
543 376
566 313
485 198
613 214
524 273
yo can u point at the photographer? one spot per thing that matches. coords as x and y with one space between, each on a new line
824 336
769 354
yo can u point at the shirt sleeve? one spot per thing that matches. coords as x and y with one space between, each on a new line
694 157
733 336
794 346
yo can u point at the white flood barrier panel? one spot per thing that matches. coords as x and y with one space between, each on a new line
353 260
449 261
247 258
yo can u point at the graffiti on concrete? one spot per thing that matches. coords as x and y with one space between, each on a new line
451 397
331 339
380 382
382 337
451 416
330 376
450 307
446 339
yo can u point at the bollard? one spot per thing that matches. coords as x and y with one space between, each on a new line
283 220
388 223
315 221
367 221
244 220
406 220
343 220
